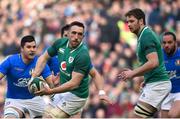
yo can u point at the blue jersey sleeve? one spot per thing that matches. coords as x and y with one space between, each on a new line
5 66
46 72
53 64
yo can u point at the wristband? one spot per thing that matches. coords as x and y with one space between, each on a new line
102 92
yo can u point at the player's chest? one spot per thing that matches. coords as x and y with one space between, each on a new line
172 64
67 59
19 71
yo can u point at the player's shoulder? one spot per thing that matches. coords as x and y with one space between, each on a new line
13 57
61 40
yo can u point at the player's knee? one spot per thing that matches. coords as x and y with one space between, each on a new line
11 113
143 111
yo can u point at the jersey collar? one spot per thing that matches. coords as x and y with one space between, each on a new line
75 48
142 31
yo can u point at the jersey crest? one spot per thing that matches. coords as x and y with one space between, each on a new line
71 59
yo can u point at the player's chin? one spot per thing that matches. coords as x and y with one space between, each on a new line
30 57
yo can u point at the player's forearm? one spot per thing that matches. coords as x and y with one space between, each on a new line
148 66
70 85
49 81
64 88
41 62
98 81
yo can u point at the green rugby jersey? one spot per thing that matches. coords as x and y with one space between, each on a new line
149 42
77 60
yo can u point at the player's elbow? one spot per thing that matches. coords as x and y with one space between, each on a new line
154 64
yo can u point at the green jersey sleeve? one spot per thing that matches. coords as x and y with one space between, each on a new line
82 63
148 44
52 50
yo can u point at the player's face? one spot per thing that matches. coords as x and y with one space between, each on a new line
75 36
169 45
133 24
29 50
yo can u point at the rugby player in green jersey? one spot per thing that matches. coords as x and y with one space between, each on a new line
75 65
149 53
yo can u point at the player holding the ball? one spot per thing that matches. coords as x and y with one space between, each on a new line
18 70
74 66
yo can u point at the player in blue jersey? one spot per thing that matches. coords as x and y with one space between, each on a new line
18 68
171 105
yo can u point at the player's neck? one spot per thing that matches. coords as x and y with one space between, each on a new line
139 32
25 59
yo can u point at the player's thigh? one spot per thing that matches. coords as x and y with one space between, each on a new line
151 98
174 112
35 106
54 112
13 107
70 103
166 105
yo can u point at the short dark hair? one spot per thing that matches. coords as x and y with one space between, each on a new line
76 23
27 38
137 13
170 33
64 28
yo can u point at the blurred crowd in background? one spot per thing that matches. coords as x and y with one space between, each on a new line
111 45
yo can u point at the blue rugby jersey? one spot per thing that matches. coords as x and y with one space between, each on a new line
18 74
172 65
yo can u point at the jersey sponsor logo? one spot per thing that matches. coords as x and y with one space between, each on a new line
63 65
18 69
22 82
172 74
61 50
71 59
177 62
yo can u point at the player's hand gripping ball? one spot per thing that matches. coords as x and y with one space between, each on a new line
36 84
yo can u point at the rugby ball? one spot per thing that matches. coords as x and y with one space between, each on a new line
36 84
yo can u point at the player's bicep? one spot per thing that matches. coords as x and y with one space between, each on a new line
76 78
153 58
